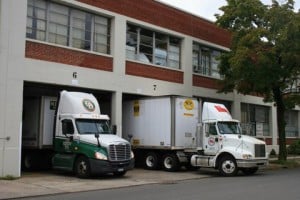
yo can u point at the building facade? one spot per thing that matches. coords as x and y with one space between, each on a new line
117 50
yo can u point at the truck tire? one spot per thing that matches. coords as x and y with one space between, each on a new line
249 171
171 162
228 166
82 167
151 161
30 162
27 164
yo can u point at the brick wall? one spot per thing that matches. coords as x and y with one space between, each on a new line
161 15
138 69
206 82
67 56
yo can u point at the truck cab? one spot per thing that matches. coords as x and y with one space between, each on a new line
84 141
222 145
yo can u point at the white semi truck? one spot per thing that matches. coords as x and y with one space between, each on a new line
170 132
222 145
162 130
71 134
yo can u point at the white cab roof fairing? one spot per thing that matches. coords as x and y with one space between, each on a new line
215 112
78 103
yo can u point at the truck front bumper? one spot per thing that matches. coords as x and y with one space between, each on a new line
261 163
105 167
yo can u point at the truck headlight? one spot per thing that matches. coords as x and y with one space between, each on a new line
100 156
247 156
131 155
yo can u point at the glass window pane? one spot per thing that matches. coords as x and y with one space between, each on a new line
100 48
58 24
36 18
101 20
41 35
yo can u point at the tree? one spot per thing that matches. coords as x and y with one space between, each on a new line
264 56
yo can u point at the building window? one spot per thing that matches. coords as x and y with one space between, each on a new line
291 119
255 120
58 30
63 25
36 20
205 60
152 47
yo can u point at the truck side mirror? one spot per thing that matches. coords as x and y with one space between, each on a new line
67 127
114 129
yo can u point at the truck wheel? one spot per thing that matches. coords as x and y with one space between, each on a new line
31 162
82 167
249 171
27 162
151 161
228 166
170 162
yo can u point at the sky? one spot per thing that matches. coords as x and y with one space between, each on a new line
207 8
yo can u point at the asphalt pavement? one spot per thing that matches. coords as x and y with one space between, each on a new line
54 182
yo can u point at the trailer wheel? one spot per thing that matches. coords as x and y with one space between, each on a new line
171 162
249 171
151 161
228 166
82 167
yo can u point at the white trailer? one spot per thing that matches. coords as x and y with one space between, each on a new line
162 130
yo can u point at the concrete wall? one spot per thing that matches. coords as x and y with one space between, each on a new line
12 40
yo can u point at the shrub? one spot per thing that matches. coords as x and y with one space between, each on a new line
272 153
294 148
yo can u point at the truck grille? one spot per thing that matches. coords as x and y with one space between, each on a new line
260 150
120 152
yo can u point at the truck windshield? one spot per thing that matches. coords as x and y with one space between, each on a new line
229 128
88 126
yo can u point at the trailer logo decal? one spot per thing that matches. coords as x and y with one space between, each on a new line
221 109
188 104
136 108
211 141
89 105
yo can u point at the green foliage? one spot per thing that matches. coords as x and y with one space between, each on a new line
272 153
264 49
294 148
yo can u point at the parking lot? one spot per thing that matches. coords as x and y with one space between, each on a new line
54 182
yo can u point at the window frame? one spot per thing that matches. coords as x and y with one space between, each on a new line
204 60
89 31
153 47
